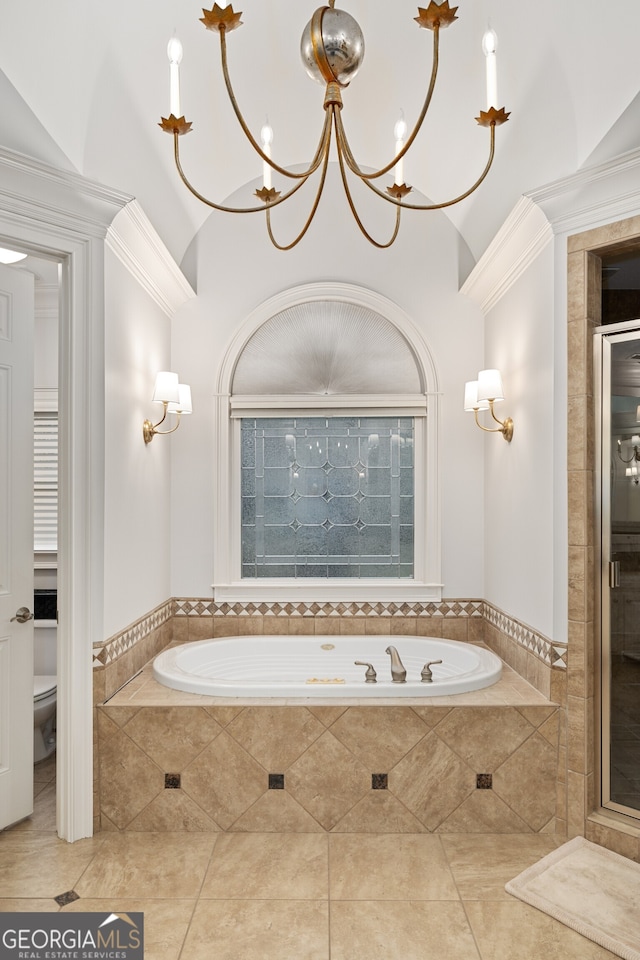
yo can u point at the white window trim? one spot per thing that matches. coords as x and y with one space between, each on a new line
228 585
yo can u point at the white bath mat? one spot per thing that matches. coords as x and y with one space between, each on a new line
589 889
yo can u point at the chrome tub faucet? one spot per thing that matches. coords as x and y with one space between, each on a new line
398 672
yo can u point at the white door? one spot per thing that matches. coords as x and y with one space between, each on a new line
16 545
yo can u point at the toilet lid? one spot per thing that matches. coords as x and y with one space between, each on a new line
43 686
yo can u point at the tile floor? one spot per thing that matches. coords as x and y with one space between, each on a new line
292 896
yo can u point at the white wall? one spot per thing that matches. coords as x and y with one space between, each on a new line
521 477
137 476
237 269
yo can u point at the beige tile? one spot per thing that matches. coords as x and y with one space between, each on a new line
165 922
223 715
275 736
134 864
39 865
173 810
258 930
484 736
432 781
481 865
379 736
432 715
527 781
268 866
172 736
505 931
389 867
328 780
379 812
43 818
276 812
129 780
23 905
327 715
483 812
224 780
411 930
45 771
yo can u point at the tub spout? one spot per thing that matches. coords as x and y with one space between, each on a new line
398 672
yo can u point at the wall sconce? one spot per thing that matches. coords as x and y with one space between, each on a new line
175 398
481 394
631 472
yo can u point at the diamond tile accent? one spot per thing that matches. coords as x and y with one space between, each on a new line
64 898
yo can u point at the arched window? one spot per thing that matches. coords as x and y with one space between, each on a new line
327 471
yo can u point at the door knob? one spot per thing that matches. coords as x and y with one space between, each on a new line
22 615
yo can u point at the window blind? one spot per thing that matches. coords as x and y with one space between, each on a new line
45 482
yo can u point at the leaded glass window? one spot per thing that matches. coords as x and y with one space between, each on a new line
327 497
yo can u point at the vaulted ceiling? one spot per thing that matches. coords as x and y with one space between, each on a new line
86 84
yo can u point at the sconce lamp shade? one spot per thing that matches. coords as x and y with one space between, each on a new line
471 401
490 385
638 414
183 405
166 388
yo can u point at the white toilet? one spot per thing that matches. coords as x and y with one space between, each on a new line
44 688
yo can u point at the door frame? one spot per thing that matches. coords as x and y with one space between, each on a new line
602 336
60 215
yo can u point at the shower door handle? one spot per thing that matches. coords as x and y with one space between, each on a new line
614 574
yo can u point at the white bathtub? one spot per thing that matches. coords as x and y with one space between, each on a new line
323 666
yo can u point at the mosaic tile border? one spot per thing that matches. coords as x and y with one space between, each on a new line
105 653
553 654
446 608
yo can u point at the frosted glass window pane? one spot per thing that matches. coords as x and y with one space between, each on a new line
328 497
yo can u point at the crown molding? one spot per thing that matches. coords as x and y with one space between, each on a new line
589 198
43 193
522 237
135 242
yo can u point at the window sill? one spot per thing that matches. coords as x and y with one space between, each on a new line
322 591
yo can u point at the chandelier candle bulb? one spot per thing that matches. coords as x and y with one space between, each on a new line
266 138
174 52
400 132
489 46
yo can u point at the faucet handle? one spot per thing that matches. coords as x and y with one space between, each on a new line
426 674
370 674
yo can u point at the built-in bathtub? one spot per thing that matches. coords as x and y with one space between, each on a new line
324 666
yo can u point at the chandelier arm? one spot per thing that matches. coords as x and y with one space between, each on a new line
317 160
220 206
446 203
363 230
323 176
351 162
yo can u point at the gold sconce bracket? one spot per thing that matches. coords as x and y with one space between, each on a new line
505 428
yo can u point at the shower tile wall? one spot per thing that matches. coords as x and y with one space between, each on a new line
340 769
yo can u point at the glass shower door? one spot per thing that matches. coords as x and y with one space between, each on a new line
620 486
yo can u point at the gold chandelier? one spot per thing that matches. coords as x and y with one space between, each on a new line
332 50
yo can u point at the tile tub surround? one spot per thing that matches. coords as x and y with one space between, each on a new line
530 655
245 767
